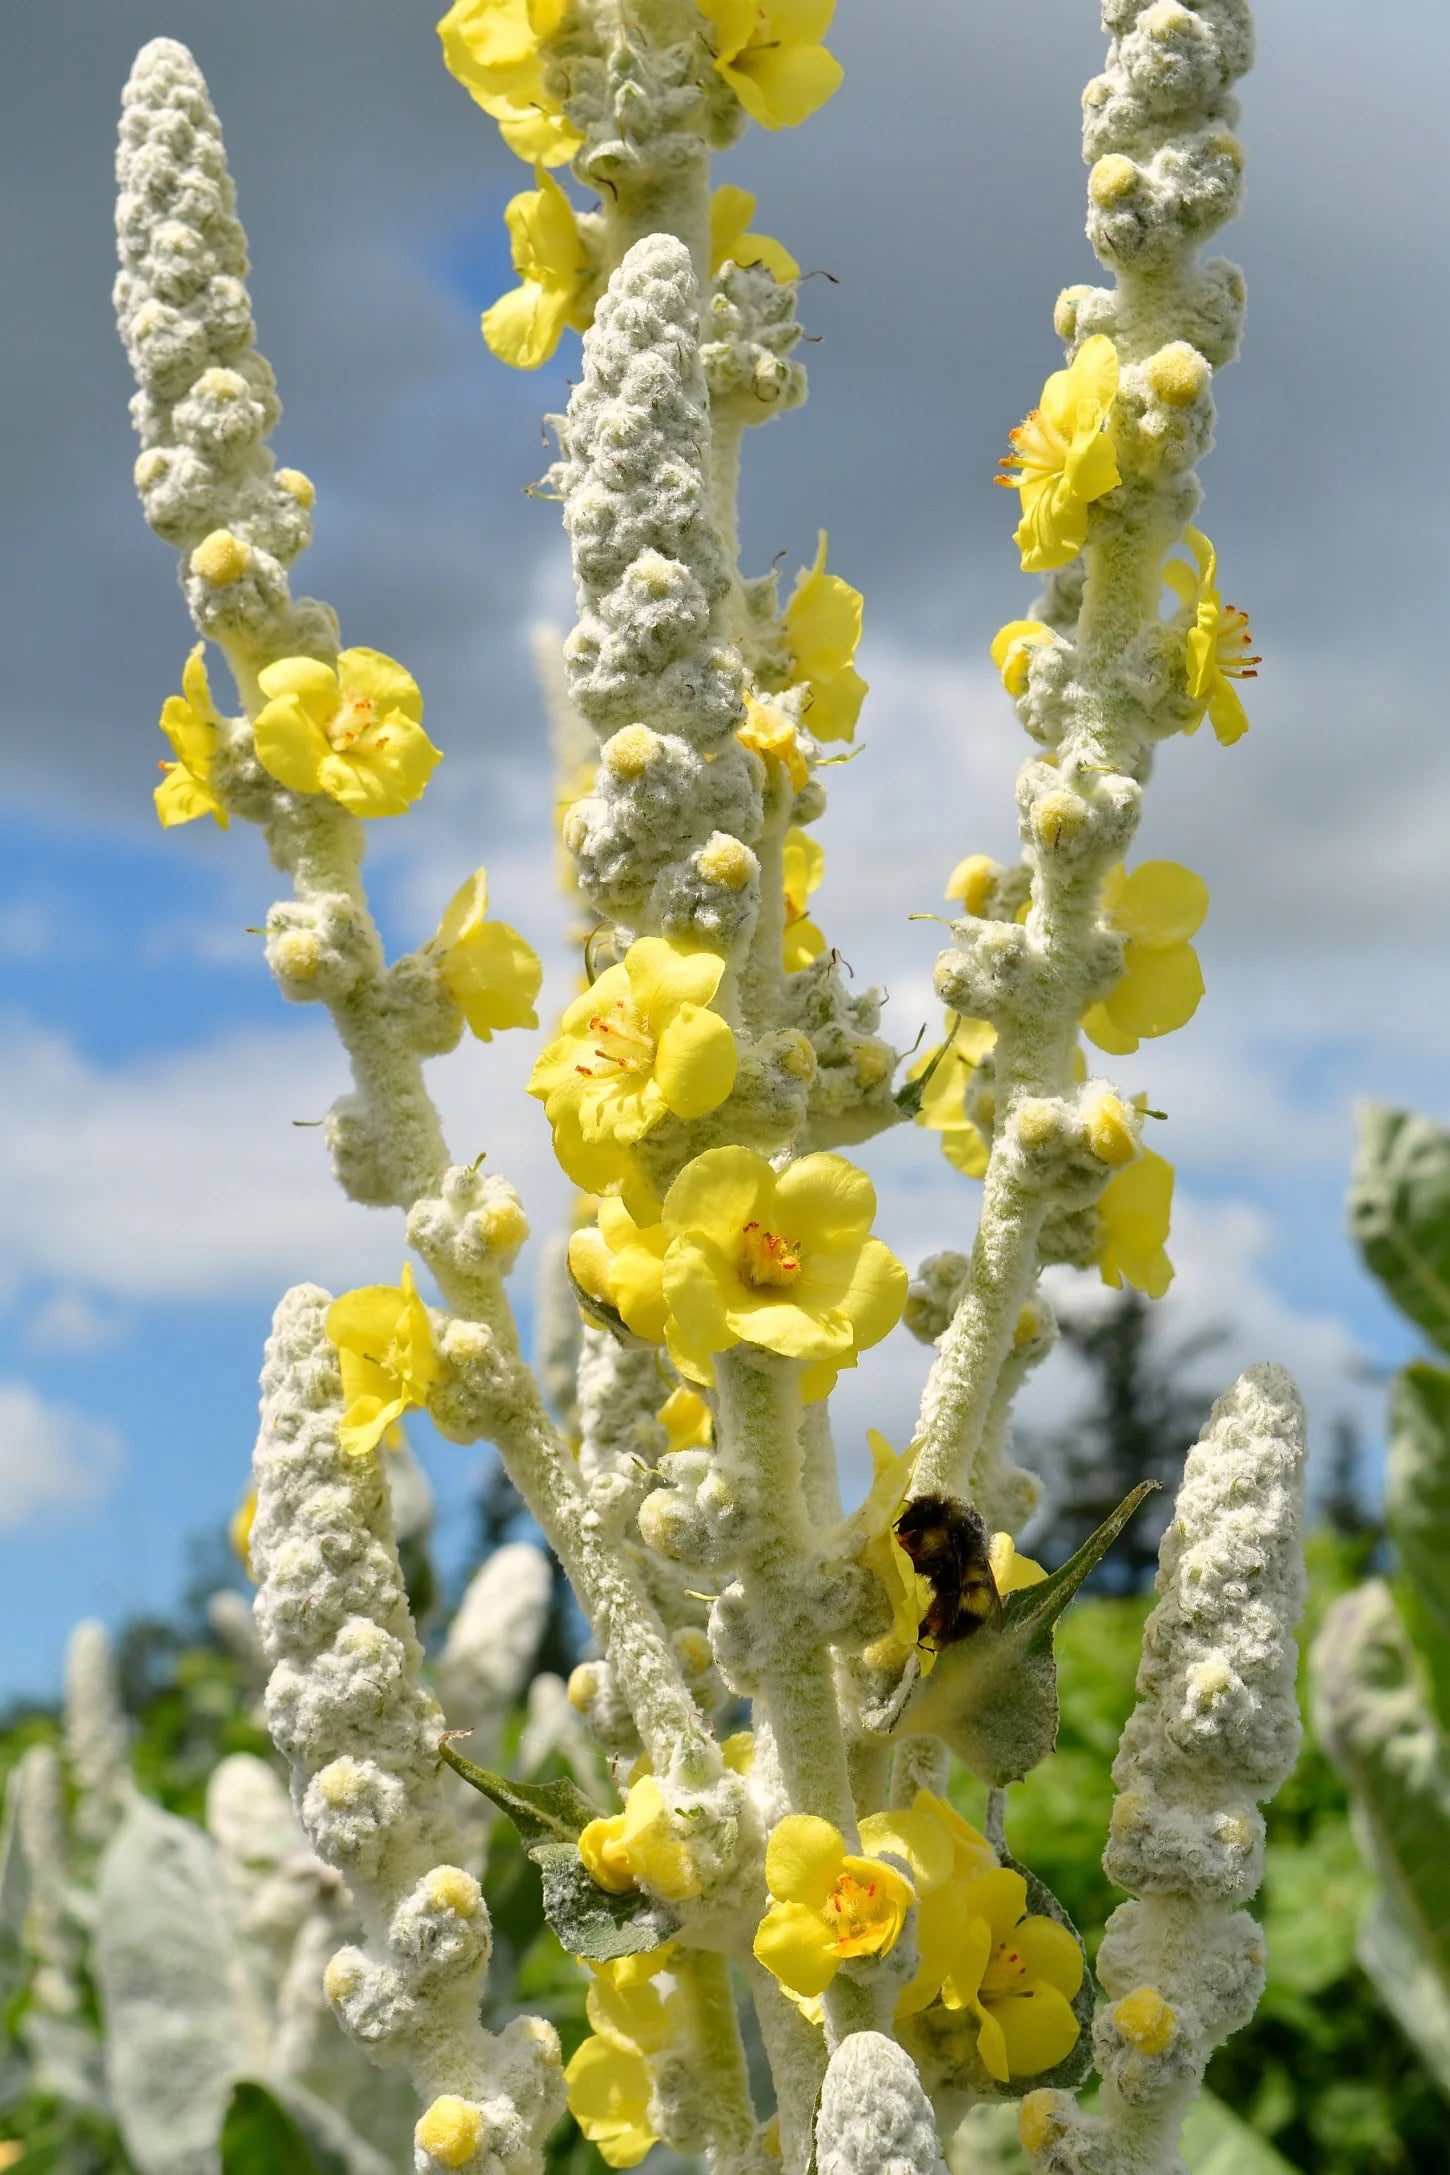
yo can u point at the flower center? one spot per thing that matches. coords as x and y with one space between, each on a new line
349 721
1006 1973
769 1262
1232 643
1039 446
857 1921
621 1040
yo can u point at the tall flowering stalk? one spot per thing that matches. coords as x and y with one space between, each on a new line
699 1090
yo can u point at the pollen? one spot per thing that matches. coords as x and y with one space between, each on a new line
620 1042
768 1261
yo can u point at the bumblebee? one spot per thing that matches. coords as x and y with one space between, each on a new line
948 1544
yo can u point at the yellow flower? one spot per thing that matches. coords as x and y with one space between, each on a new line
770 54
494 48
524 327
608 2078
971 881
1218 641
1017 1975
828 1904
385 1350
1067 456
943 1105
731 211
685 1418
771 734
192 723
639 1846
488 970
1012 648
941 1918
355 732
822 624
804 864
621 1262
639 1043
239 1532
783 1261
1133 1217
1158 908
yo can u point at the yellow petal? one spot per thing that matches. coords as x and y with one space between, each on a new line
971 1851
1012 648
916 1836
524 327
1133 1215
965 1150
822 619
731 211
385 771
695 1062
999 1896
660 977
834 704
465 911
313 685
823 1199
181 798
802 942
992 2045
1103 1031
1159 991
875 1298
1226 712
493 976
1034 2032
1160 903
609 2099
196 687
803 1861
781 86
1049 1953
719 1193
794 1942
290 745
941 1932
380 680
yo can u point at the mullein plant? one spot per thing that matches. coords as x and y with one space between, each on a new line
702 1091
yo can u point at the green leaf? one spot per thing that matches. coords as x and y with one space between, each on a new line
259 2137
1216 2142
910 1096
1035 1609
1419 1512
588 1920
993 1697
550 1817
1399 1212
1372 1716
543 1812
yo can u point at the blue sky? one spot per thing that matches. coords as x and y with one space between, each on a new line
159 1194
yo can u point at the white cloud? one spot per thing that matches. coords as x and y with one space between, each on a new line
70 1321
49 1455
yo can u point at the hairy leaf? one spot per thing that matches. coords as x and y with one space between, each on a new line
174 2038
1035 1609
588 1920
1399 1212
1419 1512
543 1812
259 2137
1372 1716
1216 2142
